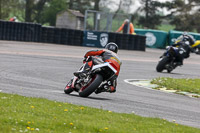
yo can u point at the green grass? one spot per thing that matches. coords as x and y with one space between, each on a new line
187 85
23 114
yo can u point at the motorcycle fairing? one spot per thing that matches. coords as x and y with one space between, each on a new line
106 64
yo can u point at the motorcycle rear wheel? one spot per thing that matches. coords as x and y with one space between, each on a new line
92 86
162 63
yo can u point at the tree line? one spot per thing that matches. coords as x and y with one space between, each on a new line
183 14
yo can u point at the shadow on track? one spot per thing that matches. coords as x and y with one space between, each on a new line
90 97
171 73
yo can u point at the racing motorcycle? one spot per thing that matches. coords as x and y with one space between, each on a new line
96 80
168 59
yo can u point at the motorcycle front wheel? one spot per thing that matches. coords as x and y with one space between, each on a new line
85 91
68 88
162 63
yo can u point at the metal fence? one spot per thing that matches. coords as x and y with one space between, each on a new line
101 21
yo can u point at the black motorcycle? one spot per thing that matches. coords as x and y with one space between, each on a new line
168 60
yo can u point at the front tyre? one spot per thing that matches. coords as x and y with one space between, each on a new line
162 63
91 86
68 88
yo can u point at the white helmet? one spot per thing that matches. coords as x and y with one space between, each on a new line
112 47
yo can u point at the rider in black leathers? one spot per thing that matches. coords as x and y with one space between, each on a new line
183 45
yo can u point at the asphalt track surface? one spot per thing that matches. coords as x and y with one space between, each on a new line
42 70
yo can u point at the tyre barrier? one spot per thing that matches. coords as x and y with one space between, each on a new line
127 41
32 32
18 31
61 36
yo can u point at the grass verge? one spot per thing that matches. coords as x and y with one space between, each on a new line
187 85
25 114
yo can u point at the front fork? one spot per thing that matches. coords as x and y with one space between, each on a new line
73 84
172 65
78 83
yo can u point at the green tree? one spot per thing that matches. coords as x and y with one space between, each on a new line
34 10
10 8
185 15
152 17
39 8
51 9
0 7
80 5
96 5
29 10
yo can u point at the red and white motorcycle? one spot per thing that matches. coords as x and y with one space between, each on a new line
96 80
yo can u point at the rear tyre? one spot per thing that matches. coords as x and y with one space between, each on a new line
162 63
91 87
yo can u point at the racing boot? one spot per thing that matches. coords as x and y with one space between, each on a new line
106 88
111 89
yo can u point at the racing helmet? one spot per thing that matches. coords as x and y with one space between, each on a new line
189 38
112 47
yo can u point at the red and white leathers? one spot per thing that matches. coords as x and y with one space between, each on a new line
106 56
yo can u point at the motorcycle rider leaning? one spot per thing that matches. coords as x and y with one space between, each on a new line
183 45
109 54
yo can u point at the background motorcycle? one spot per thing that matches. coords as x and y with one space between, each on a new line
96 80
168 59
196 47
